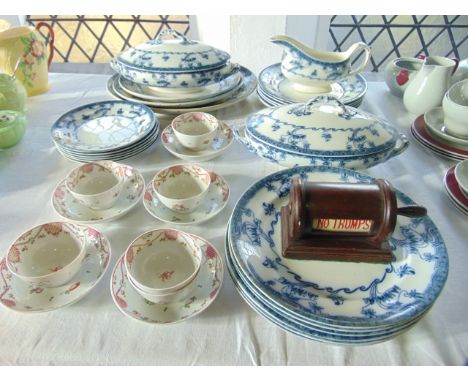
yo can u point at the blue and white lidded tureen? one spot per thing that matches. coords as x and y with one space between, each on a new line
173 63
325 129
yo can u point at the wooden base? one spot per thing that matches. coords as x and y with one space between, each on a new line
332 248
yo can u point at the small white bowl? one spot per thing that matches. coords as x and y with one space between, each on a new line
195 130
168 298
182 187
163 261
48 255
97 185
455 105
461 175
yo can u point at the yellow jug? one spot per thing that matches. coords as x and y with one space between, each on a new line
23 54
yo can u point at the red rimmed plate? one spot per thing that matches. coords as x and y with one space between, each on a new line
454 191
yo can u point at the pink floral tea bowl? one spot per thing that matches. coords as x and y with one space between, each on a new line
97 185
167 298
195 130
48 255
182 187
162 262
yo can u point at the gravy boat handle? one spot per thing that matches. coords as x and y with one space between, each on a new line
353 49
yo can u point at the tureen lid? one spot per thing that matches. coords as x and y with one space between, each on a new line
323 126
178 54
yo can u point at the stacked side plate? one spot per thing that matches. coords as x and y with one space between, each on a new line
108 130
275 90
428 130
228 91
335 302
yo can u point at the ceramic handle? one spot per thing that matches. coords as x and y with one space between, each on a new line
401 145
173 33
355 48
324 100
51 40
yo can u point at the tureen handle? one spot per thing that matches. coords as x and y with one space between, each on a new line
173 33
324 100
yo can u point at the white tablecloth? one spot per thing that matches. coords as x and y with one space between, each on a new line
94 332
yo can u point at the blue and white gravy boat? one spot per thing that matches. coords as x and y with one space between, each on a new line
313 70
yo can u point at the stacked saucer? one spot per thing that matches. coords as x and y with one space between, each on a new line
456 185
107 130
186 194
274 89
51 266
98 191
179 75
166 276
430 132
336 302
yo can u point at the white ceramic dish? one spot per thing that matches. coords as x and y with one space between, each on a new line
103 126
220 143
181 187
97 185
156 98
213 203
461 174
19 296
70 209
455 106
454 190
277 87
195 131
208 285
249 84
434 119
162 261
48 255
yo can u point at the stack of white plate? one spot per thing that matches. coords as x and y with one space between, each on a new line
337 302
274 89
177 75
108 130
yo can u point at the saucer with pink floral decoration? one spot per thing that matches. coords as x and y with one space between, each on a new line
205 290
20 296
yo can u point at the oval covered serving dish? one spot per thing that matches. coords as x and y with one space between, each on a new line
178 55
322 127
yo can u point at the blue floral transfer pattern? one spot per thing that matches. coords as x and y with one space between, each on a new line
384 294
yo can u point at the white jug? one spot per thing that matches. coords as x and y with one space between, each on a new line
428 87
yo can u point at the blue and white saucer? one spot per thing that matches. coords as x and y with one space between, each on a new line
276 87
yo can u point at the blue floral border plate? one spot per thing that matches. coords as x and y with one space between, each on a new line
337 293
307 330
103 126
273 84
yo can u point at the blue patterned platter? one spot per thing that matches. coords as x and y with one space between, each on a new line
273 83
336 293
308 330
103 126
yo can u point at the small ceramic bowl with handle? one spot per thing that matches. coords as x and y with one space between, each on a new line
182 187
47 255
455 106
162 262
195 130
461 175
97 185
399 73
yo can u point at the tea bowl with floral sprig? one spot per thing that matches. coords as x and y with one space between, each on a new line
182 187
96 185
47 255
195 131
162 262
